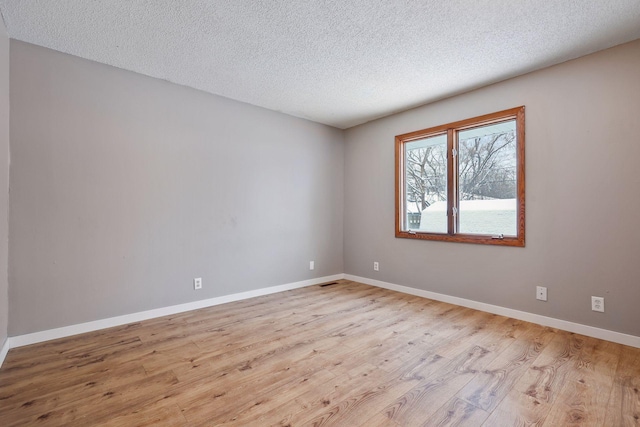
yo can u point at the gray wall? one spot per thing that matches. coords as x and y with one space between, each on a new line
583 197
125 187
4 179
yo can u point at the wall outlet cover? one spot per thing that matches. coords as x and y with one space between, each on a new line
541 293
597 304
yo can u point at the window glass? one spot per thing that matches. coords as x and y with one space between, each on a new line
426 184
487 184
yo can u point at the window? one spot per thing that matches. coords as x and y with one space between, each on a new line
464 181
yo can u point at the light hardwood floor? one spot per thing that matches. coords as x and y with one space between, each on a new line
341 355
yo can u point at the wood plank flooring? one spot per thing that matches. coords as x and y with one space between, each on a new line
341 355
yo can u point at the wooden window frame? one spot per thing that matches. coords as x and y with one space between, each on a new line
451 130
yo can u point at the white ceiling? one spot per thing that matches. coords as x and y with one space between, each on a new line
339 62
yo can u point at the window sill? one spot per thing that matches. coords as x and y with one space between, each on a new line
463 238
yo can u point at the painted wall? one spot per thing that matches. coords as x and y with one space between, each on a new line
583 197
125 188
4 179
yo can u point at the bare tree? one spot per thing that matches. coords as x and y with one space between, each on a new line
426 175
486 166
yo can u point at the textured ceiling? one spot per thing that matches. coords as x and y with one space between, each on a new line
339 62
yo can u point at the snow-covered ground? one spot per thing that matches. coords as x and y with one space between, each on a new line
498 216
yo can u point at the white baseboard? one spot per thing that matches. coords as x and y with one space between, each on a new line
66 331
4 350
591 331
51 334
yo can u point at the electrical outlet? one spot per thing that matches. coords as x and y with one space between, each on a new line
597 304
376 266
312 265
541 293
197 283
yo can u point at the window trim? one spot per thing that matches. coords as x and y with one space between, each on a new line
451 130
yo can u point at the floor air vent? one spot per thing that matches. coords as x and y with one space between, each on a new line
328 284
